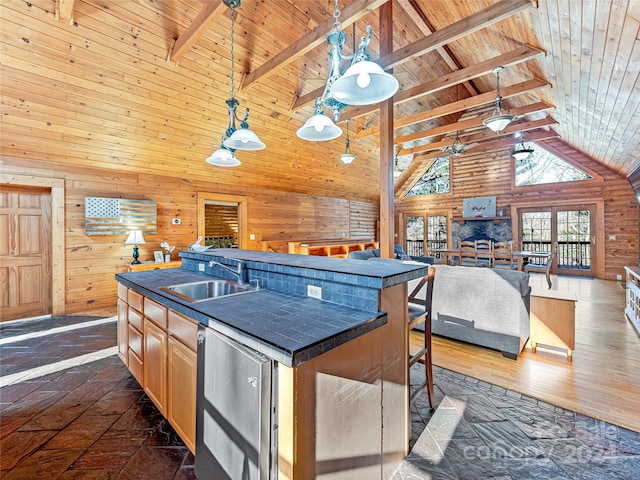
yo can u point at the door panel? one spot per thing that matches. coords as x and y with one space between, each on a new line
569 227
25 272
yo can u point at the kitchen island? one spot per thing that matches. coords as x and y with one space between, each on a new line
342 376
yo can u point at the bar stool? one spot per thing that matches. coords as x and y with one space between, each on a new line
420 314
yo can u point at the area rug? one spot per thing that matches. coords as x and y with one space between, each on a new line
482 431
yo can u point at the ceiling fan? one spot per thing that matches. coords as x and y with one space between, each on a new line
457 147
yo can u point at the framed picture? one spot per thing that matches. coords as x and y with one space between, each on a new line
158 256
479 207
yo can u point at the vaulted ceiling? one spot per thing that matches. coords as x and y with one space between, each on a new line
140 85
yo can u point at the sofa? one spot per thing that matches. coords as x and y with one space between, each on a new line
399 254
484 306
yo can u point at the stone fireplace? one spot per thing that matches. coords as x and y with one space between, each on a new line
476 228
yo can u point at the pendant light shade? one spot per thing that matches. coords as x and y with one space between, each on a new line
521 152
347 157
244 139
319 127
223 158
364 83
498 121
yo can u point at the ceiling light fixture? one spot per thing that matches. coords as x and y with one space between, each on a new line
458 147
223 157
363 83
241 138
347 157
521 152
498 121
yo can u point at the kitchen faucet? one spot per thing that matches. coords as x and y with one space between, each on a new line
239 272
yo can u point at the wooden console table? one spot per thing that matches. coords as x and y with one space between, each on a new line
553 320
155 265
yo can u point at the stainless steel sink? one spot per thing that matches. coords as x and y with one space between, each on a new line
209 289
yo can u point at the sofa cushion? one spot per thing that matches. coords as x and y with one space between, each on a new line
364 254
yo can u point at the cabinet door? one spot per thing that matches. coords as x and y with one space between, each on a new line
182 391
155 365
122 329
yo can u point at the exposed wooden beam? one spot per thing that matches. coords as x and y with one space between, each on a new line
488 16
211 12
460 105
509 140
64 10
387 227
424 25
479 137
350 14
470 123
514 57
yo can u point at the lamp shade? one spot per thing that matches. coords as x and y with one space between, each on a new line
319 128
223 158
244 139
347 158
135 238
521 153
497 123
364 83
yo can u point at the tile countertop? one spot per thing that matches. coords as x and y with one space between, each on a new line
287 328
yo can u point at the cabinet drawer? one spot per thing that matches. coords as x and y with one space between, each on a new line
135 341
184 329
122 292
135 318
134 299
155 312
136 367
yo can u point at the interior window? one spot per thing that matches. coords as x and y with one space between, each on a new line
544 167
434 180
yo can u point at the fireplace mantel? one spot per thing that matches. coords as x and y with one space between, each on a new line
495 220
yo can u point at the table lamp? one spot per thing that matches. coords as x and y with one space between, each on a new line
135 237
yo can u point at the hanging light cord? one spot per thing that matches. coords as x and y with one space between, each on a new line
336 16
232 53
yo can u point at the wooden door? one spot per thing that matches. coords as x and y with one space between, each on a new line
25 258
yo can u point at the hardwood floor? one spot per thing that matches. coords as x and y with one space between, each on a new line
602 381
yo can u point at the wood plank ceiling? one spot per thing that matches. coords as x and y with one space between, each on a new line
140 85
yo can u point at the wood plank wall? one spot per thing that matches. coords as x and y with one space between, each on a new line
490 174
92 261
221 221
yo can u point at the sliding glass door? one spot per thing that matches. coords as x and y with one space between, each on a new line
571 227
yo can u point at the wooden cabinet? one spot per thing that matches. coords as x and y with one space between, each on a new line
159 346
632 308
122 331
182 391
333 249
155 365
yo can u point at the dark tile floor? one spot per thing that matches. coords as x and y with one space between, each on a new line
93 421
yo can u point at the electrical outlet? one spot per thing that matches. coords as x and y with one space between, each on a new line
612 237
618 277
175 221
252 236
314 292
201 267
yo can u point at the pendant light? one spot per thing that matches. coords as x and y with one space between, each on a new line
521 152
234 139
319 127
458 147
498 121
347 157
223 157
363 83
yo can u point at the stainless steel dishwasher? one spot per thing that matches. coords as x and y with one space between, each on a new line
236 414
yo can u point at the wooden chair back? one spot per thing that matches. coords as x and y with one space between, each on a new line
467 252
503 255
484 247
420 299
